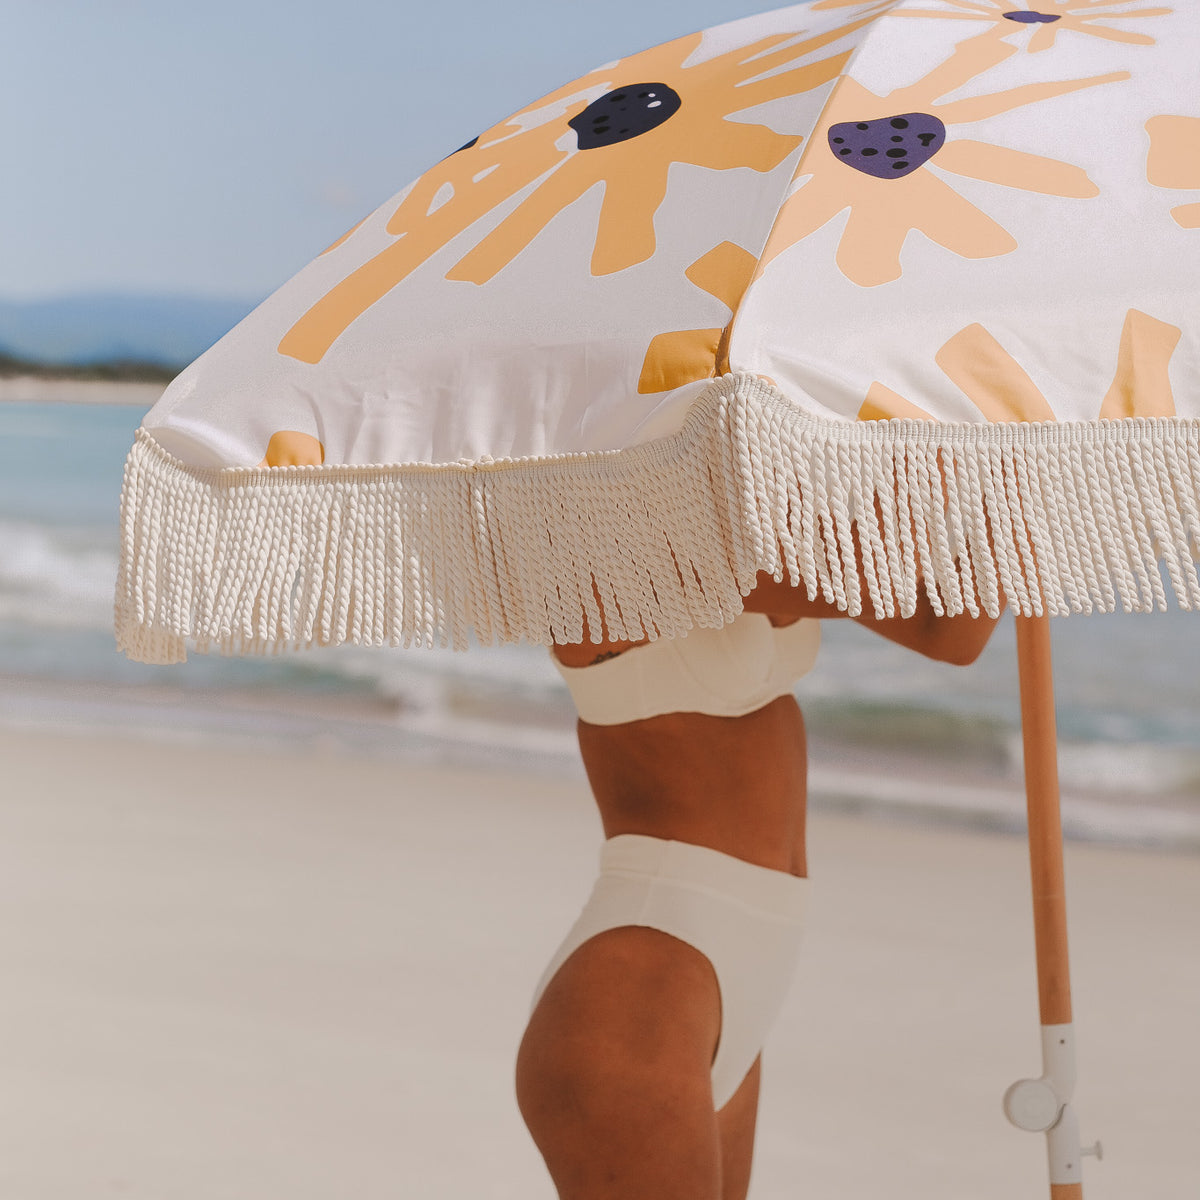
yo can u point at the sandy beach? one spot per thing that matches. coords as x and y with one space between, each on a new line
240 973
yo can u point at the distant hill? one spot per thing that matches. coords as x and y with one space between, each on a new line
85 330
111 370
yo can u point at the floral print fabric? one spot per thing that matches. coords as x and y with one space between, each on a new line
951 210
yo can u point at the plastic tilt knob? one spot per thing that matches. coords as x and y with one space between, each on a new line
1032 1105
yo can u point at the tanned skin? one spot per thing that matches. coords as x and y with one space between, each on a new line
613 1074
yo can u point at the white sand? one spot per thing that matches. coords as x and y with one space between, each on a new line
247 976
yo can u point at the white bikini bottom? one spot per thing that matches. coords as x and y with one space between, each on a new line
745 919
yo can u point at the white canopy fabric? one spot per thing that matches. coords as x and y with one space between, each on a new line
903 293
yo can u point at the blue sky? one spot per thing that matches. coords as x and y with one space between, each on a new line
212 148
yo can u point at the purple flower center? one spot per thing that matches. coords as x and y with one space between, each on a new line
888 147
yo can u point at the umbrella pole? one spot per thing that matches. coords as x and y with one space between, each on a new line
1043 1105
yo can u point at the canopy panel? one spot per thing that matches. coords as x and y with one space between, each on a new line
880 296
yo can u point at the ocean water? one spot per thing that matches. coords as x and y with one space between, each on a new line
1128 685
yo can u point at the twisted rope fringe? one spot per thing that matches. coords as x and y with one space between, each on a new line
1043 518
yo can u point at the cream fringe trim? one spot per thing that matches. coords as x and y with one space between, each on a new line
1043 518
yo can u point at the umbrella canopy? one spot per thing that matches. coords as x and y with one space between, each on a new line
895 292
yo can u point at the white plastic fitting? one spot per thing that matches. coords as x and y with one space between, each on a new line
1062 1145
1044 1105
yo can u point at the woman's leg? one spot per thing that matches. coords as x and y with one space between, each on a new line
614 1073
613 1076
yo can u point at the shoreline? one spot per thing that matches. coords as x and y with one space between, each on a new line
845 778
47 389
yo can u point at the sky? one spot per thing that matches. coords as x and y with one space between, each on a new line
212 148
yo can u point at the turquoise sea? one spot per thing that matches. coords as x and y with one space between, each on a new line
1128 684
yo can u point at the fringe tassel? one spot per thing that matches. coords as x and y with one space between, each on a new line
1044 518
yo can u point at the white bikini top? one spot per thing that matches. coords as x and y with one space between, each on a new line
725 672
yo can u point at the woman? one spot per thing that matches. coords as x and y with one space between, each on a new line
639 1071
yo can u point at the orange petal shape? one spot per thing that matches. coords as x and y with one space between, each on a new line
882 404
674 359
991 378
683 356
1187 216
1142 386
1015 168
724 272
291 448
1174 158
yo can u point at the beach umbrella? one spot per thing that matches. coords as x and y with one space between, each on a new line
882 298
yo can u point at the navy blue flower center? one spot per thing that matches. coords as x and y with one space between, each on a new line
889 147
625 113
1024 17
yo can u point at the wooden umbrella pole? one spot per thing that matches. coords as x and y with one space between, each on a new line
1043 1105
1040 741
